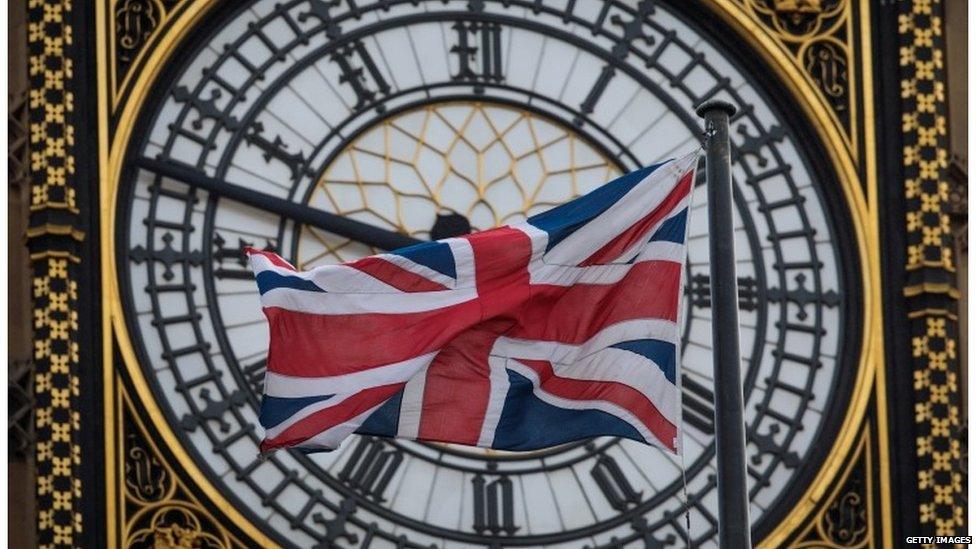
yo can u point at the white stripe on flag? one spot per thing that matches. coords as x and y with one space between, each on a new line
365 303
331 438
568 275
498 379
285 386
622 214
419 270
331 278
412 404
630 369
463 261
530 349
303 413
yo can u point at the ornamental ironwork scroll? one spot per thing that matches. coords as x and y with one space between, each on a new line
844 519
158 511
135 23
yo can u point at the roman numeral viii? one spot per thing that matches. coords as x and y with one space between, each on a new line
371 468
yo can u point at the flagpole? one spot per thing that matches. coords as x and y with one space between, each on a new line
730 440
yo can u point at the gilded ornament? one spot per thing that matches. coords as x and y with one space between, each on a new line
175 525
815 32
159 512
843 521
931 267
135 21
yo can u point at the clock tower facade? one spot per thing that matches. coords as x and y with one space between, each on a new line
427 118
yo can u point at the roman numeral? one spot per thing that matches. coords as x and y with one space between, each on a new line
614 484
494 506
699 291
698 405
356 76
276 149
468 50
371 468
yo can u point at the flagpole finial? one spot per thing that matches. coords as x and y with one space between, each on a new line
715 104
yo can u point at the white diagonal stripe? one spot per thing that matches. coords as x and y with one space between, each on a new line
285 386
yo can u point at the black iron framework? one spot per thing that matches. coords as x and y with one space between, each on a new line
789 302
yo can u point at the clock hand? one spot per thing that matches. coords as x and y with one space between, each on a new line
343 226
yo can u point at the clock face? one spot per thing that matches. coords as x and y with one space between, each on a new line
426 118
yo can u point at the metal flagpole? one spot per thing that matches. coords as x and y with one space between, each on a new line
730 440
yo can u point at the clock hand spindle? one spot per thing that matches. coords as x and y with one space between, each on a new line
370 235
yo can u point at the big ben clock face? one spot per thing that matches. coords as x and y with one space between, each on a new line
426 117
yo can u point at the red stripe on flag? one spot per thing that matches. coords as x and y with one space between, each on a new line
310 345
638 231
274 258
458 387
501 258
396 276
574 314
329 417
619 394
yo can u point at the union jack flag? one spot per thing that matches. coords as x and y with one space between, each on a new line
517 338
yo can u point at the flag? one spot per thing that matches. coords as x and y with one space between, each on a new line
522 337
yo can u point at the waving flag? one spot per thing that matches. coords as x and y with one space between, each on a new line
516 338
